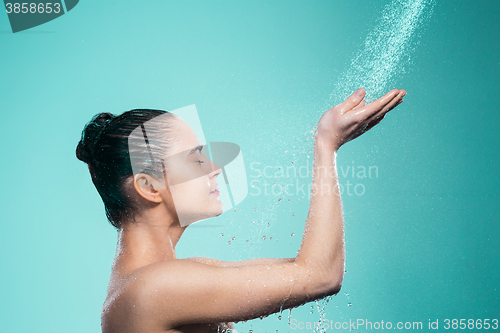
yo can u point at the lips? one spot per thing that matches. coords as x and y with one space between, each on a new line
215 190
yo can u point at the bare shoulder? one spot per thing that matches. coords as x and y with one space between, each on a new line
133 303
128 305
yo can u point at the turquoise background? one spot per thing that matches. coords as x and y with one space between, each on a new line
422 241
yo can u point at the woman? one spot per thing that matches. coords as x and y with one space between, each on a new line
150 290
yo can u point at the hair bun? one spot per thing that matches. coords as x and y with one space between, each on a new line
90 135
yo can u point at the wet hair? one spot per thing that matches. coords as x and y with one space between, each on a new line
106 145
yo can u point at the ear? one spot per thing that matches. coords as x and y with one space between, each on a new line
147 187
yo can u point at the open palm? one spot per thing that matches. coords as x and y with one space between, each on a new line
353 117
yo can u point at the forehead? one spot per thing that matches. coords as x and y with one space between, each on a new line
185 137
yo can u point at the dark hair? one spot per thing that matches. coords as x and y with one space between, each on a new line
106 145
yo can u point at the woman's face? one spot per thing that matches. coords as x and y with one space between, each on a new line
192 177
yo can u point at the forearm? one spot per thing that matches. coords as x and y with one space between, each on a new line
322 249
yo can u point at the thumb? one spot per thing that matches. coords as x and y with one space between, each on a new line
352 101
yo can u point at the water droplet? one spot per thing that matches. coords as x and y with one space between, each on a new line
222 234
349 304
229 242
293 234
234 238
264 237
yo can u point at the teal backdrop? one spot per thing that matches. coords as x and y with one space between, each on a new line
422 234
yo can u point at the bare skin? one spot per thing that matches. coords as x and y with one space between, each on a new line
150 290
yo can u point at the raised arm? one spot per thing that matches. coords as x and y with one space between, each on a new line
322 249
178 292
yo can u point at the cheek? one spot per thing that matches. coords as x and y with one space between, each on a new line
196 190
187 173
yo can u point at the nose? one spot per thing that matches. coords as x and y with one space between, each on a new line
216 169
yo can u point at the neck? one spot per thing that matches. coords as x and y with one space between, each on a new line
150 238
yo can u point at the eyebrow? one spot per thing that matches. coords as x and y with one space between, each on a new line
198 148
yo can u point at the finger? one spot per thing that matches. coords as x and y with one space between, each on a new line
394 106
352 101
381 116
373 109
395 102
360 105
373 123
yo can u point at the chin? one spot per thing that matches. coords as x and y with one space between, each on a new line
221 209
218 211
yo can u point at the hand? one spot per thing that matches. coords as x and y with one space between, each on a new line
353 117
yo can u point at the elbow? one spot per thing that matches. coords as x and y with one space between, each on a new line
336 285
326 283
332 283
